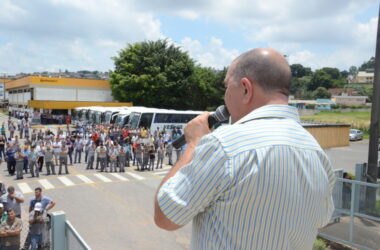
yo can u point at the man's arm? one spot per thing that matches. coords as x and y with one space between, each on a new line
14 232
19 198
194 131
50 206
159 217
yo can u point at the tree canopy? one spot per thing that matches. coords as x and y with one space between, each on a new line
370 64
159 74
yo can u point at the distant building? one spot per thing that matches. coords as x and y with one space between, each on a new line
349 100
364 77
342 91
58 95
301 104
324 104
3 97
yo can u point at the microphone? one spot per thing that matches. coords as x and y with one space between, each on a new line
221 114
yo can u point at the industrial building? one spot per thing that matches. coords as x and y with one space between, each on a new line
58 95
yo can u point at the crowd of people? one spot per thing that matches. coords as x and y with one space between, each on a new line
107 148
41 118
11 224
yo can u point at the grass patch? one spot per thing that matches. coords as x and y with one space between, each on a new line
319 244
357 120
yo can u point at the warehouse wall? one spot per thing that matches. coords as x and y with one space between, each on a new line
332 136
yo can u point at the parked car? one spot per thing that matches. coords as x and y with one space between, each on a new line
356 134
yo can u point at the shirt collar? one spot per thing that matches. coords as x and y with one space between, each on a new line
272 111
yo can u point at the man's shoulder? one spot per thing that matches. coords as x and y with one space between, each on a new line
262 133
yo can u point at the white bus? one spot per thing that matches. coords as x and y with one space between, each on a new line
96 114
122 118
80 114
152 118
109 115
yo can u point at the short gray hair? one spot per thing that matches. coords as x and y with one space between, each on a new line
269 72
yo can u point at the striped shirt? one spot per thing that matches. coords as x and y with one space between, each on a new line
261 183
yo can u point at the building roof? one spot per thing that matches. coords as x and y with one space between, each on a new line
349 96
303 101
313 124
325 101
74 82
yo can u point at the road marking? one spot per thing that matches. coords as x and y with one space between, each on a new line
119 176
24 188
161 172
84 178
46 184
136 176
66 181
103 178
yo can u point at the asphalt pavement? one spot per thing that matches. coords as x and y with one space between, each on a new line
109 210
347 157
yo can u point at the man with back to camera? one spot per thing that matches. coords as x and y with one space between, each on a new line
262 182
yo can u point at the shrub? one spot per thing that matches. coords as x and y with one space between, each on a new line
319 244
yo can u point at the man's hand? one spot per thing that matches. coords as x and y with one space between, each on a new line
196 129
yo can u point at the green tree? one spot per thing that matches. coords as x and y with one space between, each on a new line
300 71
320 79
370 64
155 74
208 93
353 70
344 73
211 81
333 72
322 93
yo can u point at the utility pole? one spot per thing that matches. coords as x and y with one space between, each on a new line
372 170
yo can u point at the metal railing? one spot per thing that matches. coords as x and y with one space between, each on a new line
63 234
356 219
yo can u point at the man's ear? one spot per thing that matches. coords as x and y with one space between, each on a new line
248 89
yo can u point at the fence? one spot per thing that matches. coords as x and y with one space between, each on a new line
356 219
64 235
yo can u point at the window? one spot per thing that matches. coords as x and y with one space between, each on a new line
173 118
146 120
134 120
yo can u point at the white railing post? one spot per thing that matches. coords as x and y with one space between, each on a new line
58 230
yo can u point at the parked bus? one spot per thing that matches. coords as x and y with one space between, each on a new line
110 114
80 114
152 118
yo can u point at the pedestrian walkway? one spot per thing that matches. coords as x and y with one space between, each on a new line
27 185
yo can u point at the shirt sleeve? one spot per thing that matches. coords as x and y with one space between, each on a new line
197 185
19 195
19 225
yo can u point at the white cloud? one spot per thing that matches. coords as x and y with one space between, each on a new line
72 34
212 54
85 34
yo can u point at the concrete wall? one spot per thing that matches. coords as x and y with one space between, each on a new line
94 95
54 94
58 93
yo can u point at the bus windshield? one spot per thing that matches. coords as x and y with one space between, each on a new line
108 117
134 120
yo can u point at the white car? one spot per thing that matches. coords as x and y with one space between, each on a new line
356 134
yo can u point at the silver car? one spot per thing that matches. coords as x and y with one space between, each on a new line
356 134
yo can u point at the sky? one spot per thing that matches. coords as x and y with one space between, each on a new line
53 35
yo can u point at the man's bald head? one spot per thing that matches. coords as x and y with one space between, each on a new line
266 67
